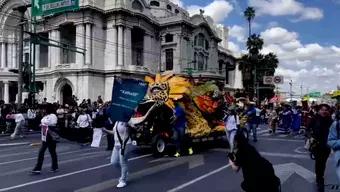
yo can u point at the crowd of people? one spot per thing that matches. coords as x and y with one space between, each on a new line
321 125
76 122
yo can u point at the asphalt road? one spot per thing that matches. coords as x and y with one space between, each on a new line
87 169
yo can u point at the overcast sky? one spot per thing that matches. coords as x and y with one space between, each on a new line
304 34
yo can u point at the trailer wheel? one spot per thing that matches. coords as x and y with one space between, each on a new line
158 146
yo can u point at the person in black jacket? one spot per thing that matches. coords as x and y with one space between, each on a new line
319 128
258 172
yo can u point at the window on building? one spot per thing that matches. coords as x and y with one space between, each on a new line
154 3
43 55
200 40
169 59
137 41
169 38
68 40
200 62
206 62
195 60
227 74
176 11
220 67
206 44
136 5
169 7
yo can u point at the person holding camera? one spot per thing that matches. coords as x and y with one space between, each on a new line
258 172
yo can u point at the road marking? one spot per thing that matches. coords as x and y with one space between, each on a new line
79 158
285 171
301 150
139 174
184 185
32 158
297 156
13 144
288 155
65 175
278 139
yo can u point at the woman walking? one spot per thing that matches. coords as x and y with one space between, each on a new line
49 140
232 123
121 150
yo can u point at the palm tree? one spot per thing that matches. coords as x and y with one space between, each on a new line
249 14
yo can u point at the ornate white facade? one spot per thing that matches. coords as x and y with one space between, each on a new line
129 38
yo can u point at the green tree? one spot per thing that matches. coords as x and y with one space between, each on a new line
265 65
249 14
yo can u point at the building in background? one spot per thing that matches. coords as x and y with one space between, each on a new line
127 38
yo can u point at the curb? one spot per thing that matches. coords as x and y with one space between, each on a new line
25 133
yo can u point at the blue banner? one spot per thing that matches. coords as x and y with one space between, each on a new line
126 95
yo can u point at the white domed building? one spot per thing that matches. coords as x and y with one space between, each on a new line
128 38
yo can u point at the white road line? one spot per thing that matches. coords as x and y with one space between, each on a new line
27 159
65 175
184 185
280 139
297 156
13 144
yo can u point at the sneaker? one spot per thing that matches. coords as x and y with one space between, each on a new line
191 151
54 170
177 155
121 184
35 172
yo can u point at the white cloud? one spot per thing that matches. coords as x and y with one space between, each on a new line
310 63
218 10
286 7
238 32
234 48
278 35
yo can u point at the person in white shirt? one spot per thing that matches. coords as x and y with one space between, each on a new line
19 121
231 122
49 139
121 149
84 123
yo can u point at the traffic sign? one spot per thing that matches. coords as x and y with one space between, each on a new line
278 79
268 80
50 7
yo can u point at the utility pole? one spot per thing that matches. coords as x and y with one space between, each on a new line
21 10
291 90
301 89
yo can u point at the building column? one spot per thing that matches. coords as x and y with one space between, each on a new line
56 49
80 42
111 48
6 91
3 55
37 56
54 52
147 62
14 56
127 47
9 55
88 43
120 46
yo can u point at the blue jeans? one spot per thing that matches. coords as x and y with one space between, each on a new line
121 161
231 136
180 138
252 127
